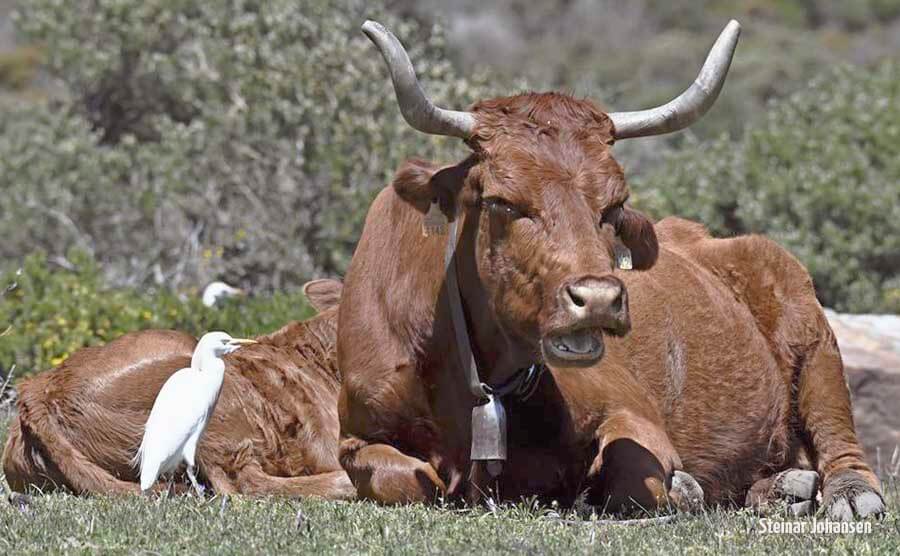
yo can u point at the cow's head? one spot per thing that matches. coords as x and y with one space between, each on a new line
549 197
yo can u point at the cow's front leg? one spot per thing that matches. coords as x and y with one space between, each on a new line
796 487
383 473
637 468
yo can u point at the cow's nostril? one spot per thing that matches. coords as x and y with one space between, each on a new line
576 299
616 305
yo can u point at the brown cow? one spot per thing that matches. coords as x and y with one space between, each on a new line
274 430
730 371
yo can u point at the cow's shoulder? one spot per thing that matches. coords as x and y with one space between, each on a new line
742 261
760 273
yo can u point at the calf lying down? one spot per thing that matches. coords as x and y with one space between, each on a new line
274 430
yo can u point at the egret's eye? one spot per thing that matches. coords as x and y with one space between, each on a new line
502 208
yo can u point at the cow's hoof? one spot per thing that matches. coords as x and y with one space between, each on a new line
847 496
21 502
795 489
802 509
798 485
686 493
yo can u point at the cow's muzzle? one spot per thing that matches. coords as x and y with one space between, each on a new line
580 346
590 307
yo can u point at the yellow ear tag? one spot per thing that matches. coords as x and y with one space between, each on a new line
623 256
435 223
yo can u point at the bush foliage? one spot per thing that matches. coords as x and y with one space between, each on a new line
819 173
244 140
50 312
239 140
641 53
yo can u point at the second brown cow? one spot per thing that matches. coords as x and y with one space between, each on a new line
274 430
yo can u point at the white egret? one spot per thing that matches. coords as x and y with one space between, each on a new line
217 291
182 410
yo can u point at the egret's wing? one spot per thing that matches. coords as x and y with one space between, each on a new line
176 414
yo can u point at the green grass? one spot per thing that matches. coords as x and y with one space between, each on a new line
61 523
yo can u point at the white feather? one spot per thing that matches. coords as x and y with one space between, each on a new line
183 408
217 291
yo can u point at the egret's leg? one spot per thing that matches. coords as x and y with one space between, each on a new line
163 493
188 453
193 477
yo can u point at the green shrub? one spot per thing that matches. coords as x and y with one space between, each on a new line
18 67
197 140
640 53
819 173
52 312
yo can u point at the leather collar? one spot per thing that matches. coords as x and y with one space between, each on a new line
523 383
488 414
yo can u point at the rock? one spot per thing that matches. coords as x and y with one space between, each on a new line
868 341
870 348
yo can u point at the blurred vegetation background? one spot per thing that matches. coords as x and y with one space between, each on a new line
148 147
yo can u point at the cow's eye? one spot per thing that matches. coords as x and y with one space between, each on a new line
502 208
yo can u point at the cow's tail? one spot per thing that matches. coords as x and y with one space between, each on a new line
16 466
39 452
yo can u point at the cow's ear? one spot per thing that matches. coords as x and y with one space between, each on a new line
323 294
637 233
421 183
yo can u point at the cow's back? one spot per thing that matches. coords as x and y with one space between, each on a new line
77 425
278 405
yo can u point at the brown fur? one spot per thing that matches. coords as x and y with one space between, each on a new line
323 294
274 430
730 371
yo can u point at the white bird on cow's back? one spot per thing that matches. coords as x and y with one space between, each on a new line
217 291
182 410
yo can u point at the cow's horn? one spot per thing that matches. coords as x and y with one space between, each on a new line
416 108
690 105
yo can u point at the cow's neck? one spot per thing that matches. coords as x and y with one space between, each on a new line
497 355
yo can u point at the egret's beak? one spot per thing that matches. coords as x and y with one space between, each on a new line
238 342
240 292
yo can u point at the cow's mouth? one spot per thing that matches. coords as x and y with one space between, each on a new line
576 346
